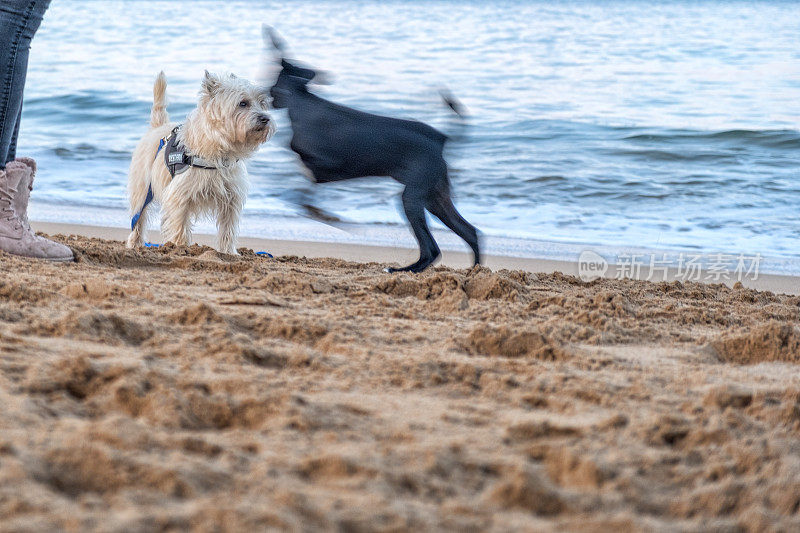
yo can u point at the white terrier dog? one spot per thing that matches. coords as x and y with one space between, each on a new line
197 168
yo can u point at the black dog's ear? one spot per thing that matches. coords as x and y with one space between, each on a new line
323 78
272 38
305 73
290 69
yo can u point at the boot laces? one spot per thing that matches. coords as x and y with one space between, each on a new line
7 208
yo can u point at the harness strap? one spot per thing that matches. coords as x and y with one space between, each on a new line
149 197
176 158
147 200
177 161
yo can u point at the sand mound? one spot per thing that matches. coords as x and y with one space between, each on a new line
293 284
505 342
79 377
210 263
528 489
535 429
197 314
99 326
333 466
103 252
305 331
769 342
478 284
21 293
569 468
483 284
94 289
729 396
162 401
425 287
443 291
78 469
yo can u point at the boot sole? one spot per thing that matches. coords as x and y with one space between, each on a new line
50 259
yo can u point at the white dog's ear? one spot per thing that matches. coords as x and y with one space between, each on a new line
210 83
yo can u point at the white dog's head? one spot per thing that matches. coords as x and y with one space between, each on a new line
231 119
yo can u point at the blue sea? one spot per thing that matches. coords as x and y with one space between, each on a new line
670 125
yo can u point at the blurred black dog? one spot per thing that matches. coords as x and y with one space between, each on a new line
336 143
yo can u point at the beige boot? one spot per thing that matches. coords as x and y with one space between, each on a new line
16 236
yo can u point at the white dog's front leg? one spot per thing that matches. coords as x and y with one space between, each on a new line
228 228
176 224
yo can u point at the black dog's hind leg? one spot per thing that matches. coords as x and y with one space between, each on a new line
414 209
441 206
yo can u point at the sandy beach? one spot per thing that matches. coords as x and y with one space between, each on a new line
174 388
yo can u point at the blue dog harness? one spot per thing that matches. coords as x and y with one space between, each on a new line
177 161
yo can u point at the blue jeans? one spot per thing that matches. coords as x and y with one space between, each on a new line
19 20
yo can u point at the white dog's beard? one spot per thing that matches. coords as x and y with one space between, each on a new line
262 135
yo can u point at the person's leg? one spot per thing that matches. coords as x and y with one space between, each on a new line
12 147
19 20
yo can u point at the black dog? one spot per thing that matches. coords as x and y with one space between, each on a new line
338 143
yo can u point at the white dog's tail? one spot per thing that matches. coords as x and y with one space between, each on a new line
158 115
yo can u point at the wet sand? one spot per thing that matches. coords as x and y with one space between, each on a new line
179 388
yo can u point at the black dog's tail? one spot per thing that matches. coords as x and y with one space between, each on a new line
454 129
453 103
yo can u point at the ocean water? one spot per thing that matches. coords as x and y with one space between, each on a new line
668 125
